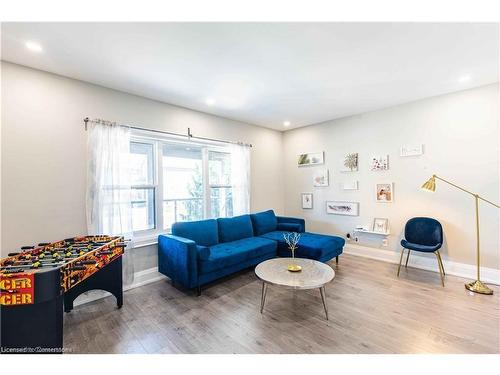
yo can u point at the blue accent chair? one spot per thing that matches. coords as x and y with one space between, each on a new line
199 252
423 234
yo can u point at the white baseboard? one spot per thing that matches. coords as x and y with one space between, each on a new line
145 277
467 271
140 278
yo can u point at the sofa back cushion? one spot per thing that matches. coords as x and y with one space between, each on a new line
203 232
235 228
264 222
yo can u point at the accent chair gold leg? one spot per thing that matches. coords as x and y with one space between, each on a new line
407 257
441 261
400 260
440 270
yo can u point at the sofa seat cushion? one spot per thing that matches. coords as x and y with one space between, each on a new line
203 232
311 245
231 253
235 228
264 222
418 247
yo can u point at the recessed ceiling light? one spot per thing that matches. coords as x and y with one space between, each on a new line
464 79
210 101
286 123
32 46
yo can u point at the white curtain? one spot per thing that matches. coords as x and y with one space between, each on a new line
109 198
240 178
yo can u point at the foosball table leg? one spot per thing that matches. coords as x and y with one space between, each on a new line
38 327
68 305
119 300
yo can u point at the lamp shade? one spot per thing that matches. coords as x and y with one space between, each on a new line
430 184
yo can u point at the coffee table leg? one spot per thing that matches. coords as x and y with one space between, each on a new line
263 296
323 298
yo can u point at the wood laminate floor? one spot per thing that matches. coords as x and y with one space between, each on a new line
371 311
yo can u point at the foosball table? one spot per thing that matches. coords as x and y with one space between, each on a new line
38 282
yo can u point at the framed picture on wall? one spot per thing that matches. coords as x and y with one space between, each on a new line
349 163
342 208
311 158
384 192
307 200
411 150
379 163
320 178
380 225
350 185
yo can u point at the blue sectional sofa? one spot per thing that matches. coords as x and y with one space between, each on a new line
199 252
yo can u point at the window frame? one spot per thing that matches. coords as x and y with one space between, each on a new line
214 186
154 186
149 236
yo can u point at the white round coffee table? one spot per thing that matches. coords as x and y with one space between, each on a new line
314 275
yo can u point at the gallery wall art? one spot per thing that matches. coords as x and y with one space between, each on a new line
379 163
320 178
350 185
411 150
384 192
312 158
307 200
380 225
342 208
349 163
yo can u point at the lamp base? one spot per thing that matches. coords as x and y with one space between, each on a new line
478 287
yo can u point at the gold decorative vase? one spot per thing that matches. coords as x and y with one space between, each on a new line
292 239
294 268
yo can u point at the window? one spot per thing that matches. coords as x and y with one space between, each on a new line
143 188
219 167
183 190
189 181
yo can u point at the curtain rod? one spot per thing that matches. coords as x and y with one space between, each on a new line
189 134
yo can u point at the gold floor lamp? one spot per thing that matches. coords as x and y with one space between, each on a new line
474 286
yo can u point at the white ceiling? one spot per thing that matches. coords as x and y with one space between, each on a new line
266 73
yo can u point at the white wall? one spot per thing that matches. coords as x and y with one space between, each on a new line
43 161
44 151
460 133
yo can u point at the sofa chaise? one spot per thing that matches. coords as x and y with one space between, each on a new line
199 252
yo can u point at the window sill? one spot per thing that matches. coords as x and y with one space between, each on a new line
150 239
144 243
